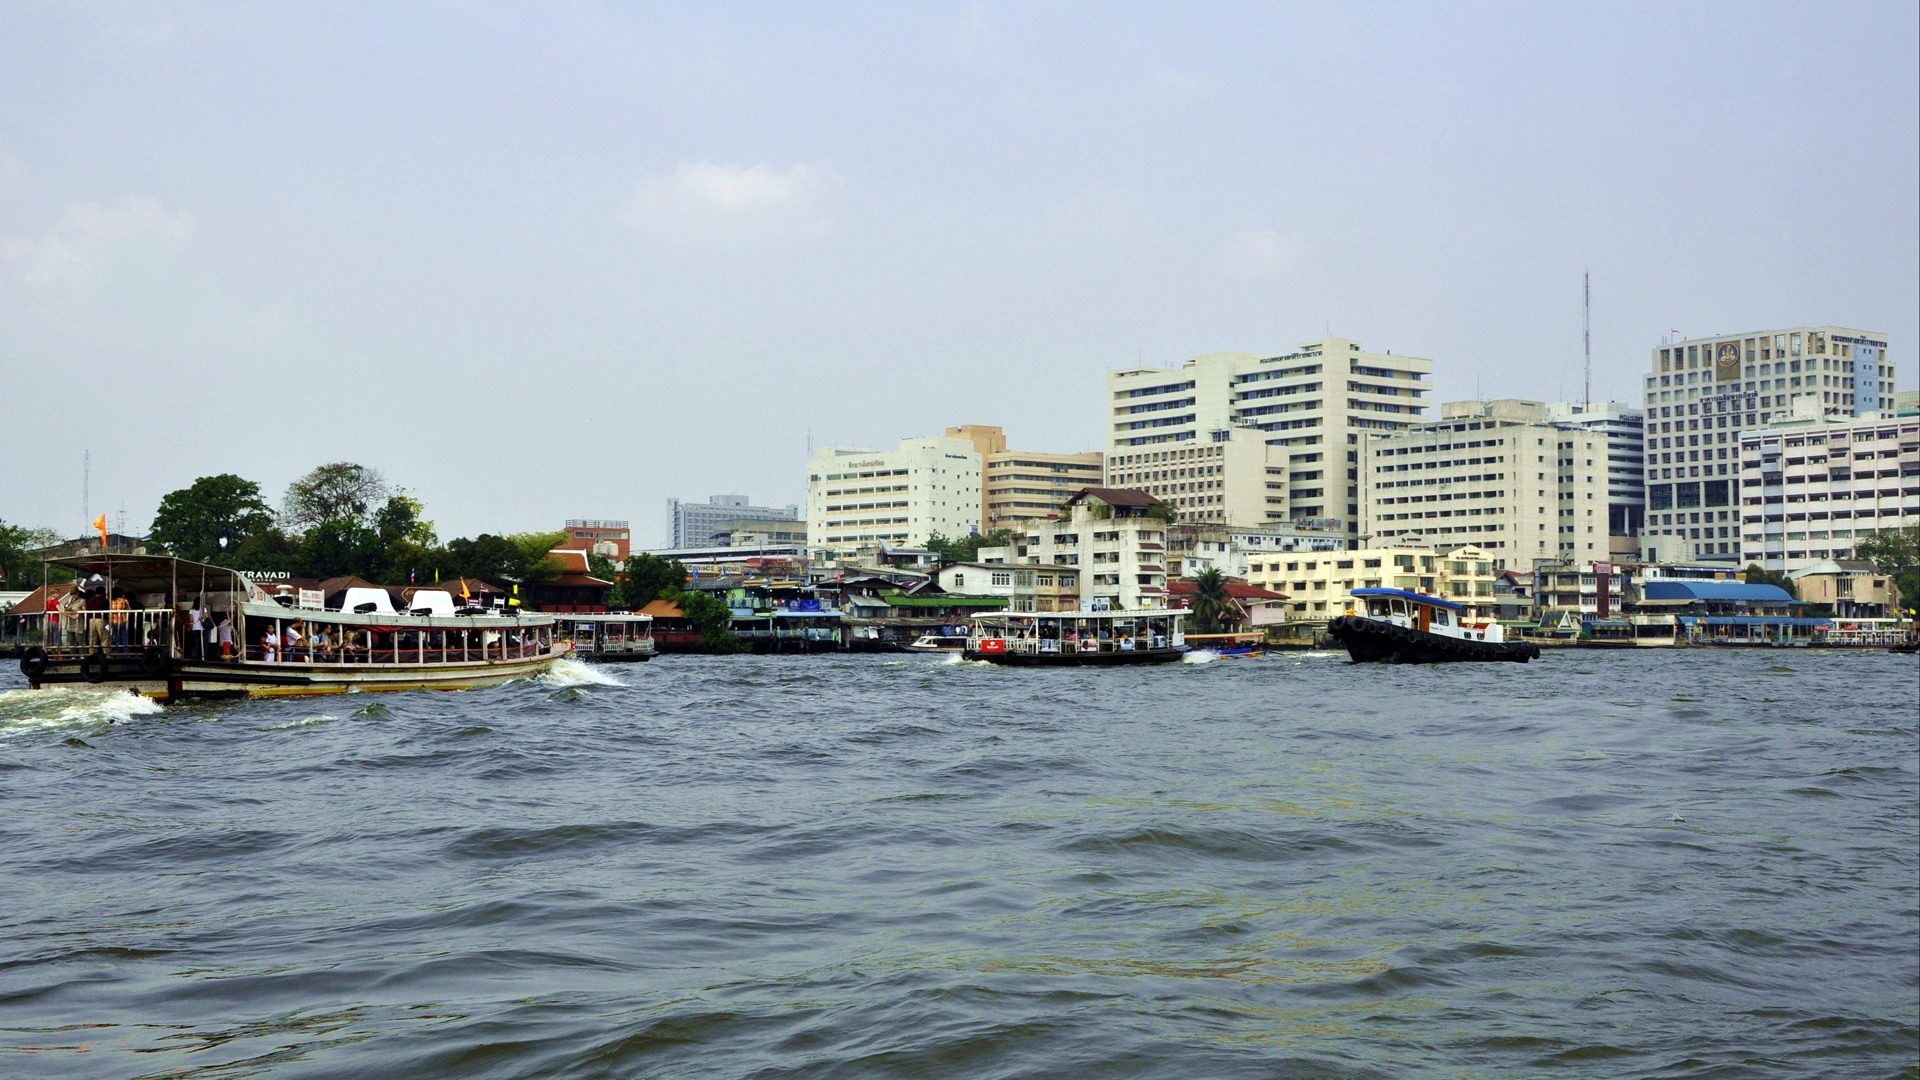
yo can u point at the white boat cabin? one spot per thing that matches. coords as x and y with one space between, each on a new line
1428 614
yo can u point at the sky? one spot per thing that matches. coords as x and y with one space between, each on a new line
542 261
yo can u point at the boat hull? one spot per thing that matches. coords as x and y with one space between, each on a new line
1086 659
182 679
1373 641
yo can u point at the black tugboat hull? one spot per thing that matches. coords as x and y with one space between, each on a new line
1369 641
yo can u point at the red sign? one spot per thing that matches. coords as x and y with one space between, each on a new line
993 644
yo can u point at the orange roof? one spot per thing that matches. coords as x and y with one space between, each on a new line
572 560
663 609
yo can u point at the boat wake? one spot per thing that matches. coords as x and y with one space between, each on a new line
567 672
62 706
1200 656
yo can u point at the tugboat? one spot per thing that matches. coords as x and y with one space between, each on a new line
1402 627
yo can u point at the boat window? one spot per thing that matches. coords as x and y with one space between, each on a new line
1377 606
1442 616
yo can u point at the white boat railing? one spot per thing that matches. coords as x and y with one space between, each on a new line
69 634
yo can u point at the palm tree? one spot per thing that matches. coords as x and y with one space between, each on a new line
1211 603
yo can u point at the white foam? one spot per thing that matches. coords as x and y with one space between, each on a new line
1200 656
63 706
568 672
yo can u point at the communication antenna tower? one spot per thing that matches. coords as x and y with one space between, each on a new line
86 486
1586 333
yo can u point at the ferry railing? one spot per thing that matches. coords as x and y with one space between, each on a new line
410 648
67 635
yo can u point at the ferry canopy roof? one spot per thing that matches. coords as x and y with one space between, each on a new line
1411 598
1724 591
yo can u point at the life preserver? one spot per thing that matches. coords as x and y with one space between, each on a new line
33 662
152 660
93 667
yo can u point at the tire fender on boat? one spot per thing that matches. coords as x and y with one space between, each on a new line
33 662
152 660
93 667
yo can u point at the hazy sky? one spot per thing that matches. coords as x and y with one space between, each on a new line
539 261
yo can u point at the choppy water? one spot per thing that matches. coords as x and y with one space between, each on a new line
1673 864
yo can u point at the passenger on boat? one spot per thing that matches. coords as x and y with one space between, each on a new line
320 644
293 642
270 645
119 621
193 638
223 634
96 605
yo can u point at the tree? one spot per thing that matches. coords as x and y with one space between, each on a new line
191 521
19 570
647 578
340 492
1756 576
535 562
711 618
1212 604
339 548
1895 553
967 548
487 557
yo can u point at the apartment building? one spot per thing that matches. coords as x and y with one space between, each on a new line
1625 428
1115 537
1021 485
694 524
1703 393
1194 546
1319 585
1248 439
1497 475
861 500
1809 491
1025 587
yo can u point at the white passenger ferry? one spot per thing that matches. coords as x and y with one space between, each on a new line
1404 627
250 643
1078 638
608 637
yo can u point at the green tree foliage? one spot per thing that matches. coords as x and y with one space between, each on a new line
339 492
18 570
338 548
191 521
535 563
646 578
1756 576
966 548
487 557
1895 553
710 616
1212 605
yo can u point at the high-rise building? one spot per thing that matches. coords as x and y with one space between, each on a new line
1497 475
1625 429
1021 485
693 525
1247 439
1702 393
1810 491
861 500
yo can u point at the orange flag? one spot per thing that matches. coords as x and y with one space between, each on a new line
101 524
464 594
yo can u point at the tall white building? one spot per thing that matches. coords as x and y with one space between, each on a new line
1702 393
861 500
1247 439
1497 475
1625 428
1809 492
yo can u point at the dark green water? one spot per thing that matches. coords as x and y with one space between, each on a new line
1671 864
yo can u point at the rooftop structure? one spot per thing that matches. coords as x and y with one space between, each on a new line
1020 485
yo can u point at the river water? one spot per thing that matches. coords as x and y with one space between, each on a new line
1665 863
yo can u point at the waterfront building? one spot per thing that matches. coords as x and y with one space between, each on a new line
607 539
1498 475
1809 491
693 524
1581 591
1115 537
1251 439
1849 588
1624 426
1703 393
1026 586
859 501
1319 585
1021 485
